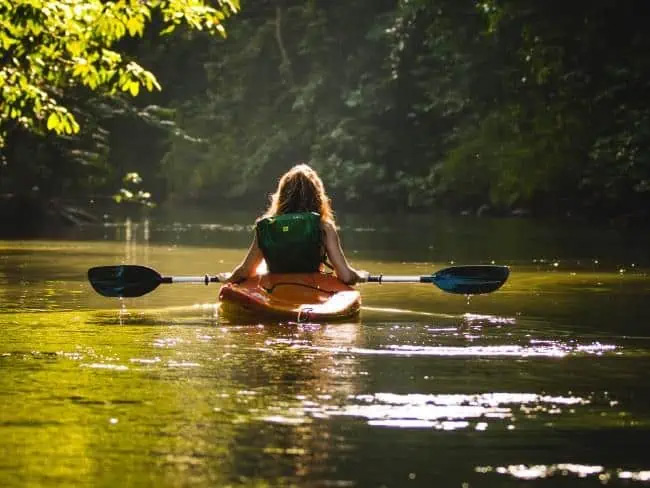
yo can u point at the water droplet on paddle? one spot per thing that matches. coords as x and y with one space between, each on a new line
123 310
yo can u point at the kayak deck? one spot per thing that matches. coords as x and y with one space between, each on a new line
301 297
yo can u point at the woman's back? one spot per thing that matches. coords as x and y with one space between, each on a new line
297 231
291 243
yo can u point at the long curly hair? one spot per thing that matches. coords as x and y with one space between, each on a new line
300 190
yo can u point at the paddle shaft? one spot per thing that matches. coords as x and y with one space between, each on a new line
190 279
371 279
399 279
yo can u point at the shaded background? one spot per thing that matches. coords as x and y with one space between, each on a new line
496 107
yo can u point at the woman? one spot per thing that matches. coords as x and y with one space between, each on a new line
297 232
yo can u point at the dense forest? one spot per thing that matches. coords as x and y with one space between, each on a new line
493 107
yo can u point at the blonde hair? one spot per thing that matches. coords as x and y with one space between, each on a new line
300 190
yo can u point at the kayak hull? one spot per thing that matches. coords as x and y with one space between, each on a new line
300 297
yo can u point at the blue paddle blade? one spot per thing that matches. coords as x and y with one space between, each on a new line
470 280
123 280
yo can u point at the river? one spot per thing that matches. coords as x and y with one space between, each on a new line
545 379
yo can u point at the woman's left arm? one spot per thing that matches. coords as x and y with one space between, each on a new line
247 267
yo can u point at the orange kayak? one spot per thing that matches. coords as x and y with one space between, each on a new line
300 297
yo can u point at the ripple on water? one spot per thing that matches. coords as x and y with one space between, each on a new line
109 366
442 411
547 349
540 471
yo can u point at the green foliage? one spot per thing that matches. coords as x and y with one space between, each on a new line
132 193
502 104
412 104
52 46
290 85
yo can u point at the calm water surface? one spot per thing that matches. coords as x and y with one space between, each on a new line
544 381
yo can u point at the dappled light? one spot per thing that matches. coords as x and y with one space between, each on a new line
324 244
523 382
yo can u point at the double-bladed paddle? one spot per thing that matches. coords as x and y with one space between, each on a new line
128 280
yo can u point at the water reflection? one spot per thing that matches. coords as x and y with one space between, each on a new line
529 383
445 412
532 472
556 349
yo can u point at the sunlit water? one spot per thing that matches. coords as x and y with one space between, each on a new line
544 380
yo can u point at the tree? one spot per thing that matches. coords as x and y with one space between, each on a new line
50 48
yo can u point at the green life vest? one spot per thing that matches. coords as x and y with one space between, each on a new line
291 243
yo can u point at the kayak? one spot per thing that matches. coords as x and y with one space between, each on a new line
300 297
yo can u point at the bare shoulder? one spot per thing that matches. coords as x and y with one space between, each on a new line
328 228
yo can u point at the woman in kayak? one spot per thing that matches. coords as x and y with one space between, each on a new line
297 233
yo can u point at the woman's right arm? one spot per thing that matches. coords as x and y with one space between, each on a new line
344 271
